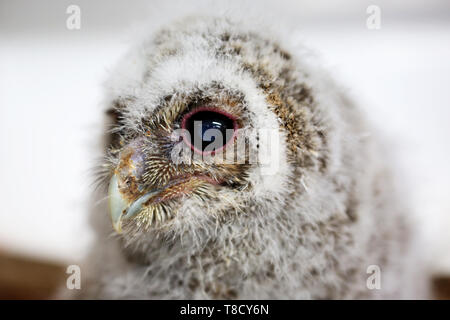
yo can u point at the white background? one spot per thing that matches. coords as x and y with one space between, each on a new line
51 94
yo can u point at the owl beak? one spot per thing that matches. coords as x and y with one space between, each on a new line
117 204
120 208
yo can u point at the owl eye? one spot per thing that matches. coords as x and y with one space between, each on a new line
209 129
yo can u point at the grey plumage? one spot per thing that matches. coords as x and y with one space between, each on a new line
307 228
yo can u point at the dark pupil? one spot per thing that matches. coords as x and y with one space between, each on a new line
199 125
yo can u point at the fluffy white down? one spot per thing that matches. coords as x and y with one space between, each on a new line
282 247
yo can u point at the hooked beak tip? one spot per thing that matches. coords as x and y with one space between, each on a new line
118 227
120 208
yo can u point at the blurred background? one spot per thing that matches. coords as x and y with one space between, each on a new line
51 111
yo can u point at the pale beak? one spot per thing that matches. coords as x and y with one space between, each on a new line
117 204
120 208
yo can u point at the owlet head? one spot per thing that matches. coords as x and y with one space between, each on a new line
210 123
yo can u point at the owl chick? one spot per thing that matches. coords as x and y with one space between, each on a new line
236 169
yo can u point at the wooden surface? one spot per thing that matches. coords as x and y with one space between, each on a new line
441 287
25 278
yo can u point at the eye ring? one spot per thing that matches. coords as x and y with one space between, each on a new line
206 109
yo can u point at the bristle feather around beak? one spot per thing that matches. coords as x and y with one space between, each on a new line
120 208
